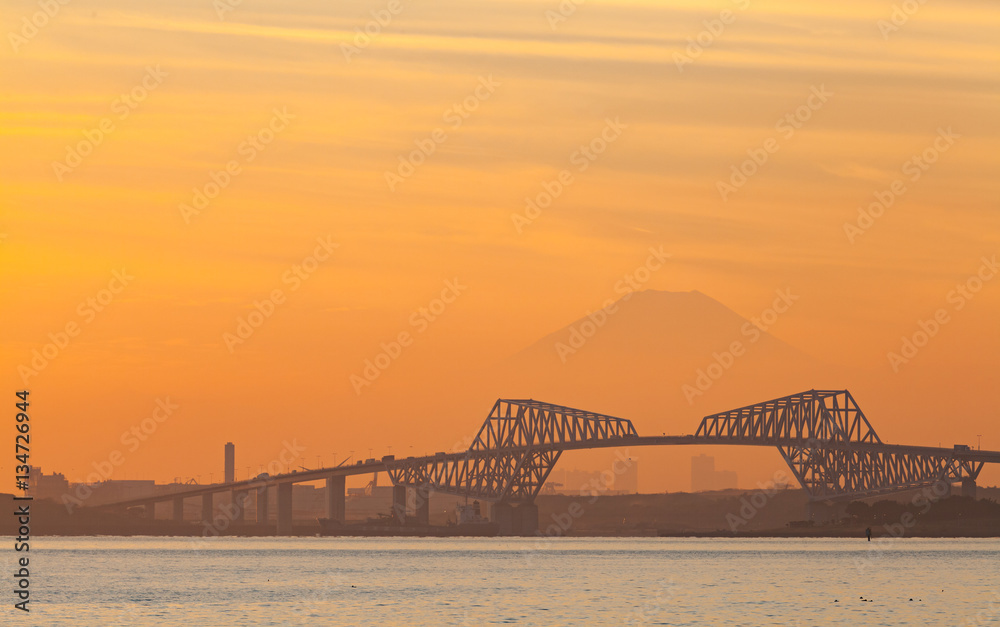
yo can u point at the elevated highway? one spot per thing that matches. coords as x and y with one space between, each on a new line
824 437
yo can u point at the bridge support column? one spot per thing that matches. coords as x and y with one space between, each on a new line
422 501
503 516
238 499
148 511
262 513
207 509
284 509
399 503
527 517
178 509
335 508
969 487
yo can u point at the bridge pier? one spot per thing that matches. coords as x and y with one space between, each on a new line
238 499
399 503
969 487
284 509
262 512
335 507
520 520
527 517
422 500
503 516
207 513
178 509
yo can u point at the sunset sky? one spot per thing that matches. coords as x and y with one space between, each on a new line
313 121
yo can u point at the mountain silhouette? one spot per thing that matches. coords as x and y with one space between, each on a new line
653 351
660 359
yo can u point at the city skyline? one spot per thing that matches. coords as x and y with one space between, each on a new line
534 312
868 201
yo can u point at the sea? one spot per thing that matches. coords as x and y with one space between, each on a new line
506 581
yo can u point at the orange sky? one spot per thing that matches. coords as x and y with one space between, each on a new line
329 128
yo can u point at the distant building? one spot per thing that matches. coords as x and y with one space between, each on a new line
616 479
364 503
230 462
704 476
565 481
119 490
702 473
725 479
42 486
627 481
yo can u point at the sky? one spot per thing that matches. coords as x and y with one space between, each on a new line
232 206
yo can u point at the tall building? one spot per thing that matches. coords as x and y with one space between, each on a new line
230 462
566 481
725 479
43 486
702 473
612 480
627 482
118 490
704 476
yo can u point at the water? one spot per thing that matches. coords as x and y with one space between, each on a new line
489 581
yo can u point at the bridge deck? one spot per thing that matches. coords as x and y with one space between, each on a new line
663 440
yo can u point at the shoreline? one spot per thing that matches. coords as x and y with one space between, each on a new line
192 531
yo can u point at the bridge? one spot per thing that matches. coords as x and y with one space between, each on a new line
828 443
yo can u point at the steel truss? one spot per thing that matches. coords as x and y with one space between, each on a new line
832 449
824 437
513 453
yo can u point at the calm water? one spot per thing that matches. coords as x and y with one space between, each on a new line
385 581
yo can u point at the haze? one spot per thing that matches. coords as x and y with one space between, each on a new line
319 209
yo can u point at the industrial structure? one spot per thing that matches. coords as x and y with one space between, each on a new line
230 468
824 437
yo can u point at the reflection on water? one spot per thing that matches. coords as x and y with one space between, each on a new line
605 581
